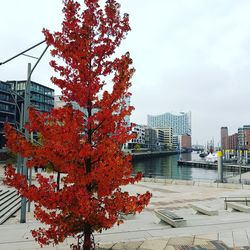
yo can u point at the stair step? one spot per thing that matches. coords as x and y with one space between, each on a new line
4 192
8 202
7 198
9 208
10 213
7 194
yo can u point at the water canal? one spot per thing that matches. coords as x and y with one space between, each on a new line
166 167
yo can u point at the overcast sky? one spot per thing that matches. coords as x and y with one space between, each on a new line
189 55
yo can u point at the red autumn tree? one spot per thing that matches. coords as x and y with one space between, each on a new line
84 144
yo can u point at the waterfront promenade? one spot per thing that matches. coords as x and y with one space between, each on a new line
146 232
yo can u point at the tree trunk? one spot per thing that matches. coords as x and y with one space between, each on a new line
58 181
87 244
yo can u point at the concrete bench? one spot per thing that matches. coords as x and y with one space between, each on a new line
238 206
204 209
170 218
240 199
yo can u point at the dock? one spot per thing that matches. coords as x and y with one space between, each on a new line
211 165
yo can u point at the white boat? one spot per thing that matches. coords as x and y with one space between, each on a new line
212 158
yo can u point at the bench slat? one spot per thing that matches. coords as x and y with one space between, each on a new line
170 218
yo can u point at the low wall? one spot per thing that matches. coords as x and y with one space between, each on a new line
150 155
196 183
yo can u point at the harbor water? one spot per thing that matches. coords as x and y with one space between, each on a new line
167 167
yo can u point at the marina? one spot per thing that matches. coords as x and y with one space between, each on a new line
193 168
212 165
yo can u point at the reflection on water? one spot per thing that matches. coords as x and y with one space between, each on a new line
166 167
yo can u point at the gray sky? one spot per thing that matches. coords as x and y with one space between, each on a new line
189 55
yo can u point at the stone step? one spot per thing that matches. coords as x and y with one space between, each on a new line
8 202
6 194
9 210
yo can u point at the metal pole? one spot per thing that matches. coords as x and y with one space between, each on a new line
246 156
240 173
220 166
19 158
26 119
30 171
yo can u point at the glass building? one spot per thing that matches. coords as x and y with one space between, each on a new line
41 97
7 108
180 122
12 94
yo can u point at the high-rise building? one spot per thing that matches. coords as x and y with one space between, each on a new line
7 108
186 142
224 138
180 122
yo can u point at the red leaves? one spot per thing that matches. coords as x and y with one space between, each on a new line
84 144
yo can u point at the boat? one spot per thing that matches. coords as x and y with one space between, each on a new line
212 158
203 154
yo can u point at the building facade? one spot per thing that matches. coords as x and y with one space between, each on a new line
165 137
151 141
246 130
233 141
244 137
12 94
139 140
186 143
224 138
41 97
7 108
180 122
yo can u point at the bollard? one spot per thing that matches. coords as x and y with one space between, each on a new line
220 166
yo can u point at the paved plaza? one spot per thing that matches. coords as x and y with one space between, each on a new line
227 230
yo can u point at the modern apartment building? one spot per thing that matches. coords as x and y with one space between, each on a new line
244 137
179 122
139 131
7 108
12 94
167 136
160 137
41 97
151 141
233 141
246 129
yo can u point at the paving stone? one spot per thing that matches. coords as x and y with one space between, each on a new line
133 245
181 241
169 248
153 245
208 236
105 246
240 238
198 241
227 238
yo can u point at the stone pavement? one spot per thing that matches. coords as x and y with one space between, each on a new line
146 232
